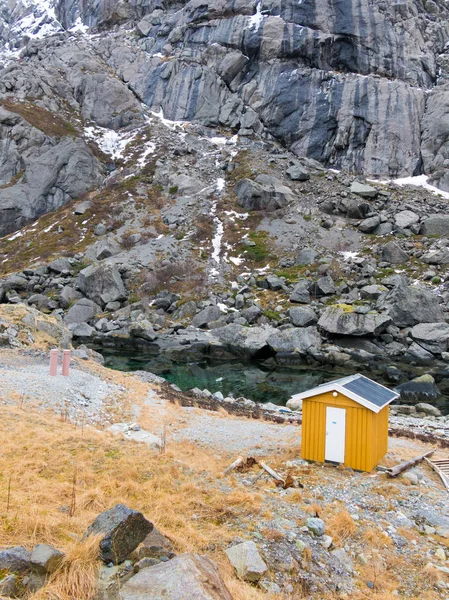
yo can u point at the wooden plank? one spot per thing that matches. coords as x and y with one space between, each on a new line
444 478
398 469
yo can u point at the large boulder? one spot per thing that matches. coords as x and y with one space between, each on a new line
410 305
300 293
324 286
264 193
342 320
245 341
123 529
102 284
392 253
436 257
436 225
186 577
82 311
247 562
302 316
206 316
433 337
363 190
295 340
405 218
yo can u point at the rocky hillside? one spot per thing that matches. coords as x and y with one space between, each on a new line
171 174
335 82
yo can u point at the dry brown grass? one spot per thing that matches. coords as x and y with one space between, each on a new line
341 527
176 490
77 575
376 538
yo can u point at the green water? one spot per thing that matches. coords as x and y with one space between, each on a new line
251 380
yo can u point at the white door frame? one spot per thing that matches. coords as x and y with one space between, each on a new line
335 434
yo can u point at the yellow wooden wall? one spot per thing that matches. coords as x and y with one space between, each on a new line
366 431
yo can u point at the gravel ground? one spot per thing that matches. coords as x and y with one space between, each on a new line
234 435
82 395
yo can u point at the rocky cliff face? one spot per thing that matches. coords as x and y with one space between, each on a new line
356 85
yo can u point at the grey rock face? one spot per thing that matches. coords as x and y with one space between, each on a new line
302 316
256 67
45 558
295 340
102 284
393 254
249 341
405 218
82 311
247 562
15 559
433 337
298 173
143 330
300 292
363 190
410 305
123 529
337 321
437 225
188 576
53 175
206 316
264 193
68 296
438 257
370 224
322 287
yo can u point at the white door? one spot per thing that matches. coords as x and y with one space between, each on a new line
335 434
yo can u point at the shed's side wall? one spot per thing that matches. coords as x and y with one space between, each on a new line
365 438
380 435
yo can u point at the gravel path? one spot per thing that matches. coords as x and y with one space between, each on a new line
234 435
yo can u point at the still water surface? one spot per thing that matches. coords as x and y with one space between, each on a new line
251 380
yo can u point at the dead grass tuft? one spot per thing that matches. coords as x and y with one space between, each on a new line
77 575
341 527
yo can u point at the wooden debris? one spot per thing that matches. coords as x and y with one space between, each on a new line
241 464
234 465
398 469
271 472
442 468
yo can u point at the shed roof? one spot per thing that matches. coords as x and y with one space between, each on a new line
357 387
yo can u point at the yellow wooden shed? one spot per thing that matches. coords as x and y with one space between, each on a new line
346 421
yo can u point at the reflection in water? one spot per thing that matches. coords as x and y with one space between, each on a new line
251 380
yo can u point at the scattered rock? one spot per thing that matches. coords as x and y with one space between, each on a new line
123 530
188 576
45 558
247 562
316 526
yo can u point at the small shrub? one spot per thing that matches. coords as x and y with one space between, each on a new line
173 189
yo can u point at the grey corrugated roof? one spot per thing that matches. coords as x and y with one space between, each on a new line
370 390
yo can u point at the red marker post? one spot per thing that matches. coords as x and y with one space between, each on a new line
53 362
66 363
